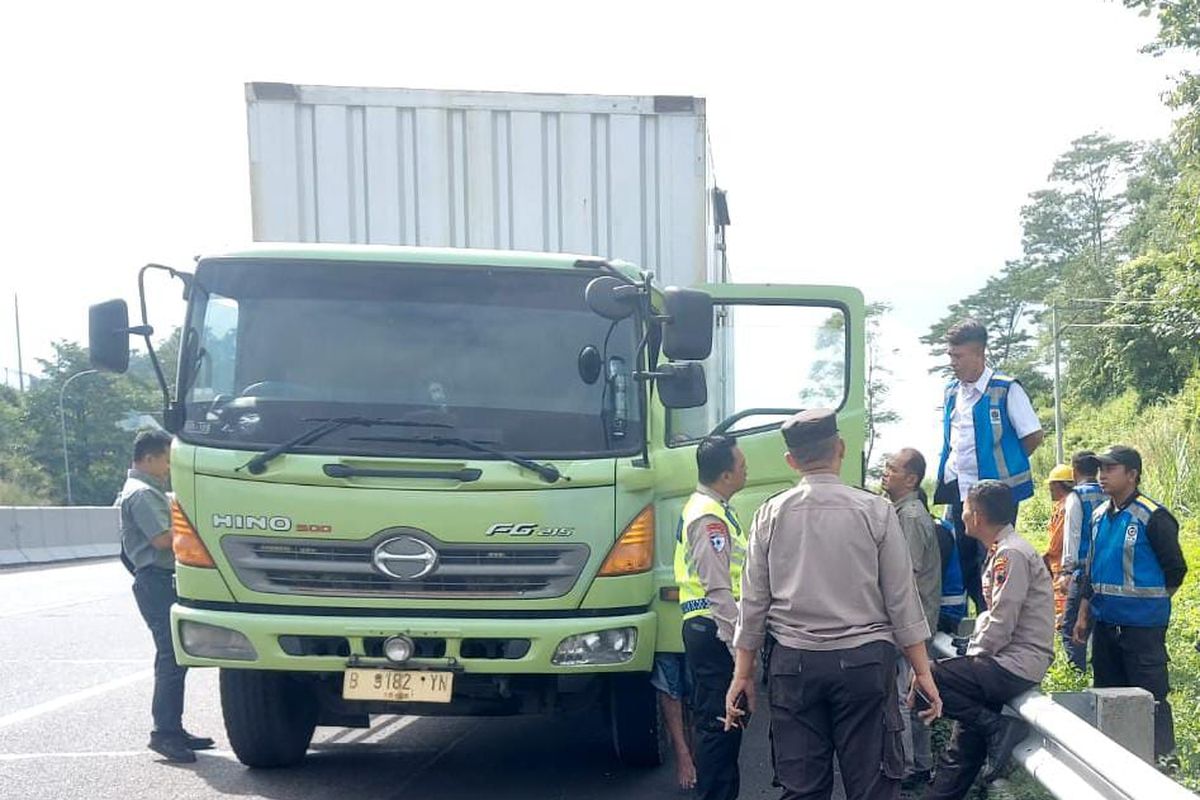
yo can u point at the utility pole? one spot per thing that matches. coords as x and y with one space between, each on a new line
20 365
1058 423
1056 334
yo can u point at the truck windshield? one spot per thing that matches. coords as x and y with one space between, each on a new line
491 354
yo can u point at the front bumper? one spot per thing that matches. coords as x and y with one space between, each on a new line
265 630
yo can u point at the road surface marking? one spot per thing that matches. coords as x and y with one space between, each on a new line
226 754
395 725
25 612
32 659
70 699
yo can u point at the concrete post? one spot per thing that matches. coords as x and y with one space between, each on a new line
1125 715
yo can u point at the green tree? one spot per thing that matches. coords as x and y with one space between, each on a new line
93 407
827 372
1006 306
22 481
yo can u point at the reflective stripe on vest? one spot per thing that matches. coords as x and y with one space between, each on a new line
1128 584
1091 497
692 599
999 454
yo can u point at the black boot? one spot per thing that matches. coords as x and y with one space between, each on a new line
197 742
172 746
1003 734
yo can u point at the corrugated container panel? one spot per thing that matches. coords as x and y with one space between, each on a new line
619 177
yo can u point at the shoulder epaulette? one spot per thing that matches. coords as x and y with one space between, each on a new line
1147 503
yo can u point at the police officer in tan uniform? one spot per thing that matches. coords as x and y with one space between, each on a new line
710 550
829 578
1008 654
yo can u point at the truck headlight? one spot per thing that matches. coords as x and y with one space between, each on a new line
613 646
210 641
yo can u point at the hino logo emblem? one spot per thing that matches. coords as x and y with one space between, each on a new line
252 522
405 558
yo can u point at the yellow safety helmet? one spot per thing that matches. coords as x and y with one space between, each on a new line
1061 473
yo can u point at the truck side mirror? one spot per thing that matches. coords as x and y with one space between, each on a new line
682 385
108 336
688 330
611 298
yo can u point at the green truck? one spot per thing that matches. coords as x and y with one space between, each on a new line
446 478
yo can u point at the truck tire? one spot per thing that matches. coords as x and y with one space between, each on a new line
269 716
638 733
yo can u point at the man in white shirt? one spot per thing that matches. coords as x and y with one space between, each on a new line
989 431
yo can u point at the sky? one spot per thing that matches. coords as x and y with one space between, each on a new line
883 144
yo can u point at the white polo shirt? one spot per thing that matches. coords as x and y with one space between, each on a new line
962 464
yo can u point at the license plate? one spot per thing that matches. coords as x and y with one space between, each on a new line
406 686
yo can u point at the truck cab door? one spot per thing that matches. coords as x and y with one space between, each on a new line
777 349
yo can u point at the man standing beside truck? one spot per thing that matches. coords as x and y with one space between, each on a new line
146 550
829 577
710 551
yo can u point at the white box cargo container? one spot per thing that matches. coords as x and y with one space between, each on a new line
617 177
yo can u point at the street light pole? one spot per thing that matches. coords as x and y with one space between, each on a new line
62 417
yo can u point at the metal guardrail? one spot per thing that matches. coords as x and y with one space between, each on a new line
1073 760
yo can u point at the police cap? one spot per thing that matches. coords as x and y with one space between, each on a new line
810 426
1120 454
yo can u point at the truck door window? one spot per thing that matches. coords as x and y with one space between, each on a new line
768 356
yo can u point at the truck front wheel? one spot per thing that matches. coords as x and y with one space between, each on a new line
269 716
638 732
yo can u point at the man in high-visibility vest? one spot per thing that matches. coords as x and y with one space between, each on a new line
710 551
989 430
1081 504
1134 567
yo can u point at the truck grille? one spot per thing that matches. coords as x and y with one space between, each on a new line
346 569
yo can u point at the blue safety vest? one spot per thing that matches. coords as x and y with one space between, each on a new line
954 590
1091 497
998 451
1128 584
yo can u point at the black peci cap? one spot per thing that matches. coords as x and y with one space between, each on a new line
809 427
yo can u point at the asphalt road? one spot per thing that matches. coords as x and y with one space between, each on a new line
75 685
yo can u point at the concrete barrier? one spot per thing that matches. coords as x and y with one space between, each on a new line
31 535
102 537
10 548
56 526
39 535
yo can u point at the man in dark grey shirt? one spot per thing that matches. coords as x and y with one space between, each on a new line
902 476
146 550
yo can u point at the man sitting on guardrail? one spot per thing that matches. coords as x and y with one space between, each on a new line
1008 654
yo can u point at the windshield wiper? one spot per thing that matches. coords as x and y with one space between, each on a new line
547 472
328 425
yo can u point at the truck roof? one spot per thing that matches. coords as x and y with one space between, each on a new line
398 254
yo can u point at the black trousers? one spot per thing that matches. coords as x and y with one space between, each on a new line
841 701
974 689
715 749
1125 655
154 590
1076 653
